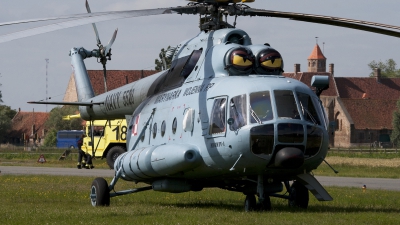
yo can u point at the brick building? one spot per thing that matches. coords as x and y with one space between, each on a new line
360 109
27 128
115 79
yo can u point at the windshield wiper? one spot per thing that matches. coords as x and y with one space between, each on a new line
308 113
255 116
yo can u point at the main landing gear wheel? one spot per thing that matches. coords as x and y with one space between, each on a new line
250 203
264 204
99 193
113 154
299 195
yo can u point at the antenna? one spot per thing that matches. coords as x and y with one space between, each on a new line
323 47
316 40
47 64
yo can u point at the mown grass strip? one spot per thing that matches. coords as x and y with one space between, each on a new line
65 200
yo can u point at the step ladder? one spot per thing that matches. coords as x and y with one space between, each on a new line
65 154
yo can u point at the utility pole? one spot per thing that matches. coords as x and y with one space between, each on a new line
47 64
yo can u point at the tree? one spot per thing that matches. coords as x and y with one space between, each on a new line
6 115
395 136
388 68
1 100
163 59
55 123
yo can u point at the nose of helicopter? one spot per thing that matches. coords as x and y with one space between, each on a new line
286 144
289 157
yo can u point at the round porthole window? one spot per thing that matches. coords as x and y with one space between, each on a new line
154 130
163 127
174 126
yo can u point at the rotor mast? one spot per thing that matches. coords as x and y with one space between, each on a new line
212 12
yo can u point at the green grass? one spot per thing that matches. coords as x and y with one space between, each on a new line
365 154
358 171
24 158
65 200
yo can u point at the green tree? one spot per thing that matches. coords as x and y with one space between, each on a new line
51 138
395 136
55 123
163 57
1 96
6 115
388 68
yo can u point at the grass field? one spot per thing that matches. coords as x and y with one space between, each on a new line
65 200
375 165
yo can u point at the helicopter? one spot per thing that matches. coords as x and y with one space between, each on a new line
222 116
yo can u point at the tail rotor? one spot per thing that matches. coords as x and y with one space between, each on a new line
103 53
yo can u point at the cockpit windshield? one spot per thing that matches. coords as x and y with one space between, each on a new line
260 107
307 107
286 105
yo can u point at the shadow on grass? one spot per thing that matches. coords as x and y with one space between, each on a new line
285 208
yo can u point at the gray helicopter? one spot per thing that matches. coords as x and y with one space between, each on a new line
222 116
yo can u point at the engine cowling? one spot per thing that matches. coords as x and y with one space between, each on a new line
158 161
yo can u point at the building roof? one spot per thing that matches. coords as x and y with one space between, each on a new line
316 53
306 78
371 113
116 78
23 122
366 87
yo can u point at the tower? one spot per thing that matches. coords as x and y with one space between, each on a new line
317 60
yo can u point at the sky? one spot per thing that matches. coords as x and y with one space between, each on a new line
139 40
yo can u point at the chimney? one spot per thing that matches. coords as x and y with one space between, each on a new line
331 69
296 68
377 75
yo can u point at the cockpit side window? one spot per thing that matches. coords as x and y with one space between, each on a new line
307 108
286 104
218 116
191 63
237 111
260 107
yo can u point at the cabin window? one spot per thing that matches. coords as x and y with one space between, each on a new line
286 105
260 107
218 118
154 130
191 63
237 111
174 125
97 131
142 137
307 108
163 128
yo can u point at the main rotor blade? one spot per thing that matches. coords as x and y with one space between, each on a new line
80 20
329 20
72 16
93 24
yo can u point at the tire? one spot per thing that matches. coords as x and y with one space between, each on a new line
265 205
99 193
250 203
113 154
299 195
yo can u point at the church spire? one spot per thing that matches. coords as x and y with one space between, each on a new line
316 60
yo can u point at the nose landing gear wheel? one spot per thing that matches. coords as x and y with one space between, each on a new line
99 193
299 195
250 203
